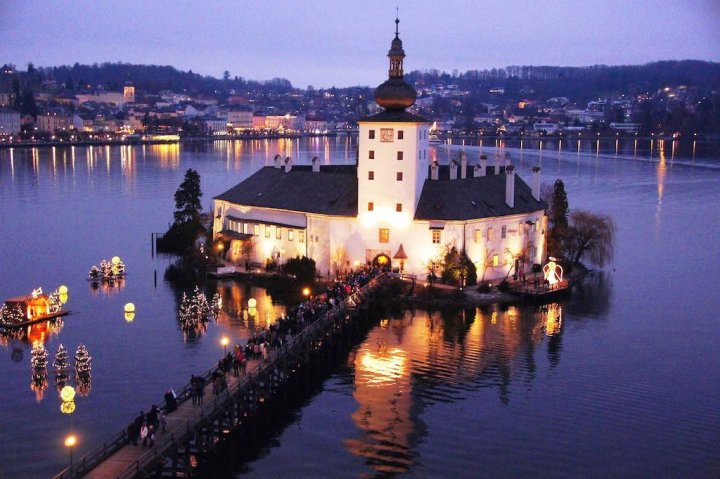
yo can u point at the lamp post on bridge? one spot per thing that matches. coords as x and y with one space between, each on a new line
70 442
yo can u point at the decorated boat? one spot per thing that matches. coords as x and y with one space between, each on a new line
32 308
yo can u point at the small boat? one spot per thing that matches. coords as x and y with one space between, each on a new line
107 271
32 308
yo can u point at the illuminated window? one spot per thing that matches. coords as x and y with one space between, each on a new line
256 230
301 236
267 231
436 236
400 155
490 234
371 134
401 134
291 235
371 154
503 232
496 261
278 232
371 206
384 235
477 235
398 207
398 176
371 175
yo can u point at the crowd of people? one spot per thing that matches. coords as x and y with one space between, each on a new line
145 427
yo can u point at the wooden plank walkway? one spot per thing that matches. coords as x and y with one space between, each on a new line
119 464
118 458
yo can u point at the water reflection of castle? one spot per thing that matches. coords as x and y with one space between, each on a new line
413 362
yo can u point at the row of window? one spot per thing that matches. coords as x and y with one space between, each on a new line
254 229
490 232
371 155
388 134
398 175
371 206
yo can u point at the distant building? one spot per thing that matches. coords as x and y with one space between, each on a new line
9 122
395 208
285 122
58 120
626 127
111 97
547 128
7 98
240 118
129 93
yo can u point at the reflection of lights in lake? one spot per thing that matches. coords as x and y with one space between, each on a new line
67 407
553 319
385 367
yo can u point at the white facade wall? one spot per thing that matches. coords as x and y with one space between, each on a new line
9 122
240 119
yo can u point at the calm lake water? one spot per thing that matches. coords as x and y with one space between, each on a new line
621 379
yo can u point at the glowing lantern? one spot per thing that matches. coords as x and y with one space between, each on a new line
129 317
67 394
129 308
63 298
116 260
68 408
62 289
306 291
252 303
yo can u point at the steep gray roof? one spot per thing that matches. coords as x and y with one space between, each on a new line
331 191
472 198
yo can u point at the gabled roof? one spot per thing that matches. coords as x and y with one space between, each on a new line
472 198
331 191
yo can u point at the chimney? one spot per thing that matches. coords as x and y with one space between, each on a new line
481 169
507 159
278 161
288 164
463 166
510 186
536 182
453 170
316 164
434 170
498 161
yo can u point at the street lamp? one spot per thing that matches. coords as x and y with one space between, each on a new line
70 442
225 341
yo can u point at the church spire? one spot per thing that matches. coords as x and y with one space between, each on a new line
395 93
396 54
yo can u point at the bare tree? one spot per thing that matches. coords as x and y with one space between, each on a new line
593 234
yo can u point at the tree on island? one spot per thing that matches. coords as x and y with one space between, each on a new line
188 224
593 234
558 218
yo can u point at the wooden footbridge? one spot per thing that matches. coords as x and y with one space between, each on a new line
195 432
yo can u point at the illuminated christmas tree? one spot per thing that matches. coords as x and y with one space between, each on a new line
38 358
61 358
83 361
11 315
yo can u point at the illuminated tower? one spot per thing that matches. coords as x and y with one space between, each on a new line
393 157
129 93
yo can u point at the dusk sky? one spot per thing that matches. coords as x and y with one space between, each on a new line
344 43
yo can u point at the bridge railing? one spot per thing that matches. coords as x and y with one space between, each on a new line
121 439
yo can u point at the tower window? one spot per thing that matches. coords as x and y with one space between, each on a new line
490 234
371 134
278 233
399 155
267 231
398 207
371 175
495 261
503 232
301 236
477 235
384 235
291 235
398 176
436 236
371 206
371 154
401 134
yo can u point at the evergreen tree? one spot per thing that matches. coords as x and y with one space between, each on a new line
558 217
187 198
61 358
27 103
83 361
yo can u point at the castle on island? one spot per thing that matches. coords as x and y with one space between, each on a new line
394 208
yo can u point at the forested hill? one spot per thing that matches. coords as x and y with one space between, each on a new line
580 83
541 82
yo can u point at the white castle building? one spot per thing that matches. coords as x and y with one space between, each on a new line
394 208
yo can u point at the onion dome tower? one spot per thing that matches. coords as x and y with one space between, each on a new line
395 94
